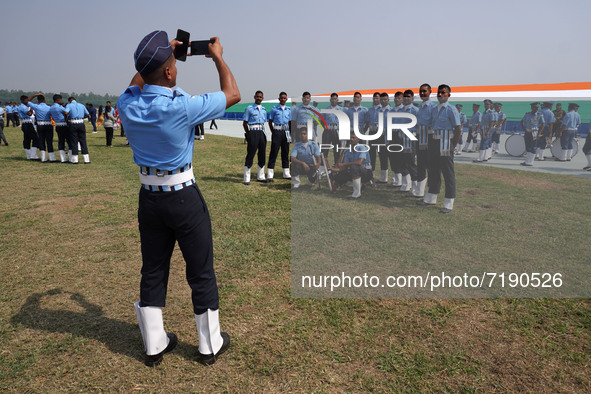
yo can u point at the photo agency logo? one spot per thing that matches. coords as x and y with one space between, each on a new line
393 121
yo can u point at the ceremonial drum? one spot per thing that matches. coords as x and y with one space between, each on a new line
555 147
515 145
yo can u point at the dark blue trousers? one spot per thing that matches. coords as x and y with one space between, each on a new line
164 219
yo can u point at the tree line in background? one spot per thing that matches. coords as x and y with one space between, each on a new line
93 98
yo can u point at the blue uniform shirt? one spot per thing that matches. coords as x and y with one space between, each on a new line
533 121
444 117
160 123
488 118
572 120
305 153
361 116
384 112
352 156
9 109
41 111
409 109
280 116
253 115
76 110
373 115
22 111
57 113
330 118
424 114
463 118
304 113
475 119
548 116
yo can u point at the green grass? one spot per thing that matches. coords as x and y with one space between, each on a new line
70 260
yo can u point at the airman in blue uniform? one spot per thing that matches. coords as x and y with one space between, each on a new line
372 119
305 159
76 113
30 138
498 127
395 158
546 135
407 156
445 123
279 121
383 153
331 136
532 123
463 121
255 117
304 113
489 119
570 125
160 126
473 128
354 167
424 123
58 113
9 115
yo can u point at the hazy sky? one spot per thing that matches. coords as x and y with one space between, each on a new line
294 46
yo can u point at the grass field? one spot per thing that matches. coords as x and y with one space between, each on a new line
70 260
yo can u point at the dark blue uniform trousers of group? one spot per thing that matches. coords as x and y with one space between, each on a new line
167 217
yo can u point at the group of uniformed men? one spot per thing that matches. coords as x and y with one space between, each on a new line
69 125
438 130
539 127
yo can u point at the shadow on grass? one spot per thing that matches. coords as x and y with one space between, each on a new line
119 336
19 158
231 178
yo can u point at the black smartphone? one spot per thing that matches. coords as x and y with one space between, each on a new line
180 51
200 47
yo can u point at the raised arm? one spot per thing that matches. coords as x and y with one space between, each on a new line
227 82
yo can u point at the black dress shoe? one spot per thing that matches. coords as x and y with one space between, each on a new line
209 359
422 203
152 361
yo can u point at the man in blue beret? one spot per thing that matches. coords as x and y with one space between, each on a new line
473 128
76 113
545 136
463 121
160 121
570 125
532 124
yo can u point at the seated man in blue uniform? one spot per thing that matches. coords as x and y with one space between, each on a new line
160 121
355 166
305 159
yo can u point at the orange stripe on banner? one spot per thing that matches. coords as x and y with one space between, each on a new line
472 89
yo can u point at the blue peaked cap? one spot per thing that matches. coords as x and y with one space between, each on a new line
152 52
